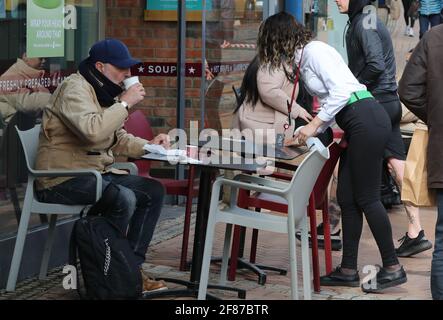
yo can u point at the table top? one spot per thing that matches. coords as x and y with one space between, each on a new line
247 148
239 164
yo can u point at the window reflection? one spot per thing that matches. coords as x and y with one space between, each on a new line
81 28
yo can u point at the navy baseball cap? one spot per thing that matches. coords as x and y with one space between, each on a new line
112 51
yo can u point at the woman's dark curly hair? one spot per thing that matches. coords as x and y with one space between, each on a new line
278 38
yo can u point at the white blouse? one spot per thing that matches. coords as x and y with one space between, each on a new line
327 76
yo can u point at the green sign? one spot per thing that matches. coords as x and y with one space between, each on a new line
169 5
45 34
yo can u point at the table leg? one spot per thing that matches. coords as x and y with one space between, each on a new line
201 222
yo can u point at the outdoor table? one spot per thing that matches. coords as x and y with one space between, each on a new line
207 171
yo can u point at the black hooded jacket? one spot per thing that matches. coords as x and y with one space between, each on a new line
370 52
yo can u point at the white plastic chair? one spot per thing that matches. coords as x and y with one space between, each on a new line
296 193
30 142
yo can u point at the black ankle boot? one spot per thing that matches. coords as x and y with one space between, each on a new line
385 279
338 278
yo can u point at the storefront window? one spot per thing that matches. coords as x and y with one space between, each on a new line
71 27
327 23
230 46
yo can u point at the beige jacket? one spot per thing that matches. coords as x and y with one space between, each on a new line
19 93
77 133
271 111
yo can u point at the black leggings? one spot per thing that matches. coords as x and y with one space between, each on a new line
367 128
406 5
395 148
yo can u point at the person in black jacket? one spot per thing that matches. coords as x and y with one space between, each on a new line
371 60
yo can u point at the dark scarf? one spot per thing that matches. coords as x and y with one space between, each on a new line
105 89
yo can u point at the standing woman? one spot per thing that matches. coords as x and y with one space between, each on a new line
372 61
367 127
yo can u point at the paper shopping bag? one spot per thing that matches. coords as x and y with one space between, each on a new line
415 180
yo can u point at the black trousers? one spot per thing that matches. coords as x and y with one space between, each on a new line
408 20
136 208
367 128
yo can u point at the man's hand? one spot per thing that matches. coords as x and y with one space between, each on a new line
133 95
162 139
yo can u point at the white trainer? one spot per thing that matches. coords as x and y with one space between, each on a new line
407 30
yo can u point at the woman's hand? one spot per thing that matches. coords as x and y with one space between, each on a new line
291 142
305 115
304 132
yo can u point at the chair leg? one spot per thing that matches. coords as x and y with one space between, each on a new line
225 255
210 233
293 260
20 241
235 249
185 239
305 261
327 233
15 203
48 246
234 253
187 222
314 242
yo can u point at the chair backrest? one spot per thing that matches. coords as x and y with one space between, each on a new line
321 185
237 94
139 126
14 163
303 181
30 141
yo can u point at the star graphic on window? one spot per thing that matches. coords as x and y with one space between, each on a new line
191 70
141 69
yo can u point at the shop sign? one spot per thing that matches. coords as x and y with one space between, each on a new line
44 28
169 69
166 10
191 5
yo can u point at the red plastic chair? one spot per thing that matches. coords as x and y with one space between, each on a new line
318 199
139 126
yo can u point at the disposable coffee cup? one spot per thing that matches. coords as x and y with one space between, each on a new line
129 82
192 152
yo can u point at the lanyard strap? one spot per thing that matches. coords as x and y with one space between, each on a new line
297 77
289 104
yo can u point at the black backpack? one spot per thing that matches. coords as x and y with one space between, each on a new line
107 261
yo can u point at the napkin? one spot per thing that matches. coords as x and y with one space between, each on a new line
156 148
